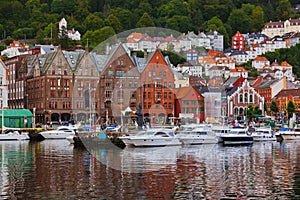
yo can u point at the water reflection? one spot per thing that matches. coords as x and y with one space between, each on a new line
55 170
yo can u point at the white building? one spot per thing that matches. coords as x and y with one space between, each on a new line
72 34
3 85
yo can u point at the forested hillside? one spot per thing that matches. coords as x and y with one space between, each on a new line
98 19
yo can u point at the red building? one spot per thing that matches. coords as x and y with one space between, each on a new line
158 95
238 41
189 105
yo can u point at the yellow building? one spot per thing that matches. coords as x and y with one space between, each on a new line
284 96
272 29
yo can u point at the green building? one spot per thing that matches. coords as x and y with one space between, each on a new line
17 118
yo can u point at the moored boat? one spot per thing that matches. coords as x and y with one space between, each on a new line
152 137
289 134
61 132
14 135
201 135
263 134
237 135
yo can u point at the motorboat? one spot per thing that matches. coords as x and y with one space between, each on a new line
219 130
152 137
263 134
289 134
14 135
237 135
200 135
61 132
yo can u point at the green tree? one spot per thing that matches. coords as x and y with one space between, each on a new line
145 21
290 108
93 22
283 10
196 12
239 21
124 16
257 18
273 107
179 23
114 22
248 8
251 111
174 57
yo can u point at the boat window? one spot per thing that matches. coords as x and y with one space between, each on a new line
202 133
162 134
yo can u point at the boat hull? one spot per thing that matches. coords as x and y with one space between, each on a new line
153 142
238 140
290 136
14 136
56 135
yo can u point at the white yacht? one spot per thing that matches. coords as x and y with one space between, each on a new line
263 134
14 135
152 137
200 135
219 130
237 135
289 134
61 132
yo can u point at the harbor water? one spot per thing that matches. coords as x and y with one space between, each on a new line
54 169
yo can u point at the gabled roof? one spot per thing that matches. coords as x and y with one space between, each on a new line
238 69
265 83
182 92
214 53
261 58
286 64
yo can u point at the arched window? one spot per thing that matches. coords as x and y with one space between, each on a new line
246 97
236 111
241 111
241 98
251 98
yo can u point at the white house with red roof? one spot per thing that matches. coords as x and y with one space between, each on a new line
239 72
15 49
260 62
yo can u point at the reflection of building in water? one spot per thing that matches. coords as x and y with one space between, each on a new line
15 156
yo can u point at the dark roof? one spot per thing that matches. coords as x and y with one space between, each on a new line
289 92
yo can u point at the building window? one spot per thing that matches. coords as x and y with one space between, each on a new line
246 97
120 73
251 98
110 73
241 98
149 74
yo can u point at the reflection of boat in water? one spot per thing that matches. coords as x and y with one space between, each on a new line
144 159
152 137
